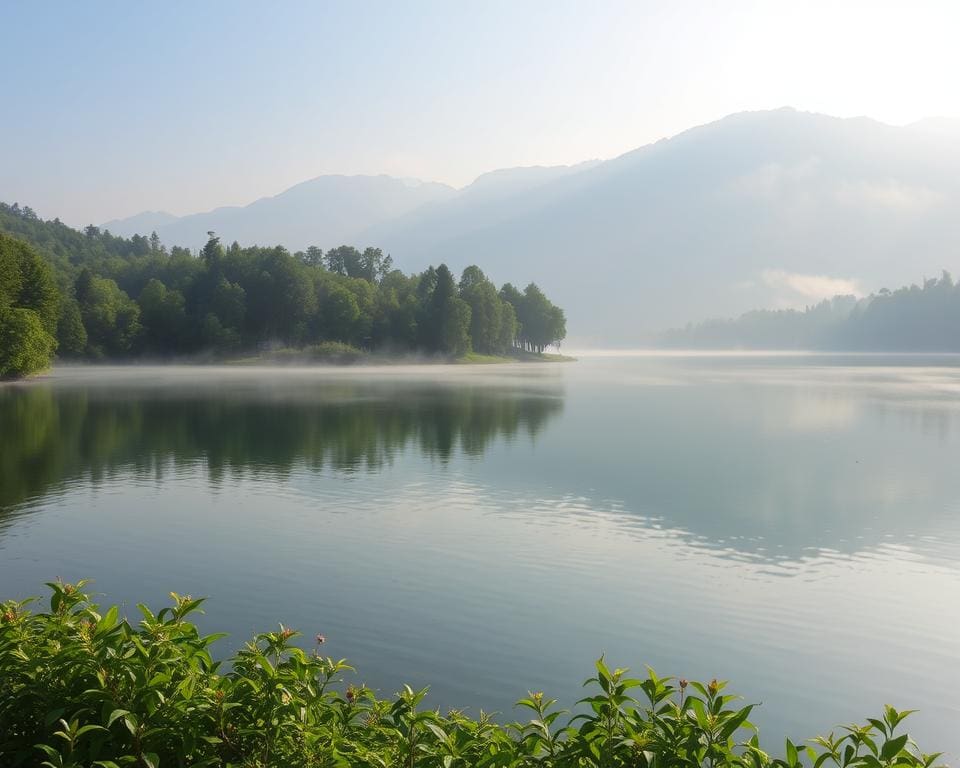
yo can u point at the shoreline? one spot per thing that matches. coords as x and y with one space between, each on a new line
293 361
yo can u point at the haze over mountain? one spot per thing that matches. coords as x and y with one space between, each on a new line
759 209
327 211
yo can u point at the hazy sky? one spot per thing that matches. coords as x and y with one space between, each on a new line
113 108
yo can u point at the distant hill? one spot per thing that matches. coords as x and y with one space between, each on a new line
326 211
914 318
141 224
762 209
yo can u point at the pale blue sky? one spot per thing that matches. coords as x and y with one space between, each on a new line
111 108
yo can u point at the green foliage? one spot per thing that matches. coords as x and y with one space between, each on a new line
493 321
26 281
164 315
125 298
25 345
83 688
454 332
229 303
29 309
509 327
341 313
331 352
71 335
110 317
371 265
215 335
312 257
540 323
443 318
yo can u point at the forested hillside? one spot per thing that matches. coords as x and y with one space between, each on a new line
916 318
108 297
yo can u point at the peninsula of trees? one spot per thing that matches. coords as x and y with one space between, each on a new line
916 318
93 296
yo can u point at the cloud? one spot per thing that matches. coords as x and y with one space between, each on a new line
809 181
890 194
772 181
793 286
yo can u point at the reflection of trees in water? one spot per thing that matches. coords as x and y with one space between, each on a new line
52 435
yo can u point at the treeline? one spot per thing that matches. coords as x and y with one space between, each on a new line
96 296
916 318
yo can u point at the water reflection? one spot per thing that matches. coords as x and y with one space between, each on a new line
778 463
793 526
82 428
775 463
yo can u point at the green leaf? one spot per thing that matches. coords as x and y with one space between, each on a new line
209 639
878 724
50 751
892 748
730 726
115 714
186 688
109 620
602 669
53 715
792 757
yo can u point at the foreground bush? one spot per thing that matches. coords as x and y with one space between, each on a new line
81 688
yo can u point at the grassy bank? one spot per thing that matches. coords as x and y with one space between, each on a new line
542 357
85 687
326 353
517 356
335 353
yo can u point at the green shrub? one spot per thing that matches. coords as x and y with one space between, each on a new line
29 308
329 352
81 688
333 352
25 346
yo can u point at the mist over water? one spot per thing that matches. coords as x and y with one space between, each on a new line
791 523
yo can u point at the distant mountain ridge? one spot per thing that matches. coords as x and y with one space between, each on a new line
771 208
141 223
327 211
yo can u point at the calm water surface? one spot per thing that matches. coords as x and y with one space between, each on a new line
789 523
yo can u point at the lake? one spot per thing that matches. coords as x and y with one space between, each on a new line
789 523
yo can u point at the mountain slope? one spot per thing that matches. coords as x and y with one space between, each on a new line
757 209
326 211
140 224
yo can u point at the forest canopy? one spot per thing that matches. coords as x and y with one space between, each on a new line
93 296
916 318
